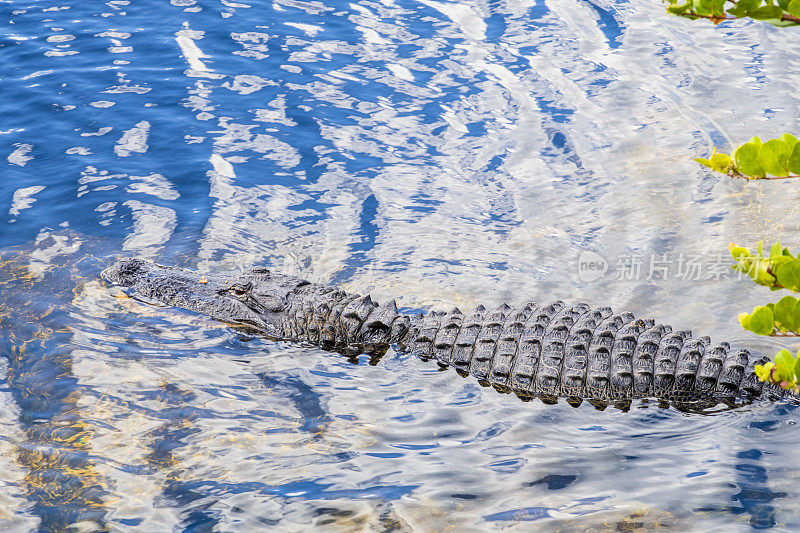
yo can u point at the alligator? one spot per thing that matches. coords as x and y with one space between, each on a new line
547 351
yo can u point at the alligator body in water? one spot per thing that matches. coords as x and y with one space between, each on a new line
545 351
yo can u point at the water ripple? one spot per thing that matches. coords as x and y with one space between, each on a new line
445 153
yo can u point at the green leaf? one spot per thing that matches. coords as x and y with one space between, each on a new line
797 367
787 314
764 372
738 252
767 13
784 366
779 260
788 274
746 159
760 272
702 7
794 157
760 321
775 250
794 8
784 359
717 7
789 139
774 157
720 162
744 8
679 9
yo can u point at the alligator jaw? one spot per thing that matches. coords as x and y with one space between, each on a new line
227 298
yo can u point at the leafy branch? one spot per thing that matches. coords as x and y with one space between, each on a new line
779 270
784 13
775 159
784 371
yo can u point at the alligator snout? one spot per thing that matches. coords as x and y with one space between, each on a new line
125 272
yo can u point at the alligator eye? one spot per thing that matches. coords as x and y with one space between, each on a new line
241 290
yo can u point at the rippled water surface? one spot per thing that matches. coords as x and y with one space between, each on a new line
440 152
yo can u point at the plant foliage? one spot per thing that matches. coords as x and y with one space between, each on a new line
777 13
775 159
783 371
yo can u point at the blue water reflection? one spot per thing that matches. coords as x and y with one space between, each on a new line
445 153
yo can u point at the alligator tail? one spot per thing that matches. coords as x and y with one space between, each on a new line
545 351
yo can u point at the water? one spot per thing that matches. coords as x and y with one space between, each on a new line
441 152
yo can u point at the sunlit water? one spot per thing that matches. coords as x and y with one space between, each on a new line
440 152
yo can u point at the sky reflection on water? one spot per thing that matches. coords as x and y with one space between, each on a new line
446 153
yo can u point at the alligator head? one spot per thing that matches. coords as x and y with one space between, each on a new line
256 299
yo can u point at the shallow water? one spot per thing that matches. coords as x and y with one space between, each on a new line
445 153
